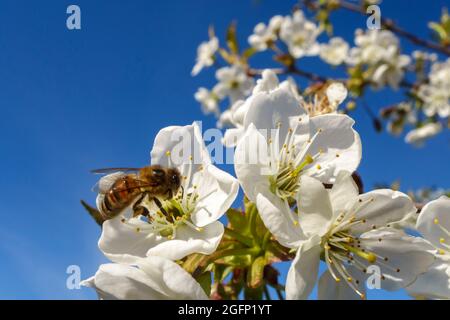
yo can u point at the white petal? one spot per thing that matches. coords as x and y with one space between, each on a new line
339 144
119 239
329 289
217 191
336 93
155 279
123 282
315 212
171 275
232 136
387 207
276 218
268 110
433 284
408 256
302 274
251 162
438 209
344 192
189 241
175 145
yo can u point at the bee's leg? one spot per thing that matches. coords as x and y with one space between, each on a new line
160 206
139 210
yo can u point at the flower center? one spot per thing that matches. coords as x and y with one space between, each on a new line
343 250
289 161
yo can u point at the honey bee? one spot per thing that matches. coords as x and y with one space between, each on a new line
125 186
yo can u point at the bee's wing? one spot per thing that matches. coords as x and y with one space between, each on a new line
105 183
114 170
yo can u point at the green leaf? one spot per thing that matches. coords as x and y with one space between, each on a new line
438 29
205 282
256 273
237 220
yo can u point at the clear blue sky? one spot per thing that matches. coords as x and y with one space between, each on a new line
71 101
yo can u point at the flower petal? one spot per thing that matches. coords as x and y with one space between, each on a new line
188 241
401 258
268 111
386 207
276 218
175 145
338 144
330 289
314 207
435 283
217 191
344 192
436 211
251 162
171 275
155 279
302 274
123 282
119 239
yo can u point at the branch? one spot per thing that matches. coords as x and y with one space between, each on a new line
389 25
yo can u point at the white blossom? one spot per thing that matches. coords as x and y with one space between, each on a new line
335 52
379 50
420 135
234 117
436 94
434 225
282 143
152 278
351 232
208 100
205 55
190 221
300 35
263 35
326 102
233 82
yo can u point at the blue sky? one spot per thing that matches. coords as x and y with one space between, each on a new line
71 101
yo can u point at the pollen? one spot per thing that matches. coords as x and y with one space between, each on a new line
319 167
190 158
436 221
295 223
309 159
441 251
337 155
168 153
441 240
138 229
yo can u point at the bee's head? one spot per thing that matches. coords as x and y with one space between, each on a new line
174 179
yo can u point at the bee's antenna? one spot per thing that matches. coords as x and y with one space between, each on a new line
182 191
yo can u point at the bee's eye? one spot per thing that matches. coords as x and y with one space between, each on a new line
175 179
158 173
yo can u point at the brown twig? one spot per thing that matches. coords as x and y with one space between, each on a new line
389 25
